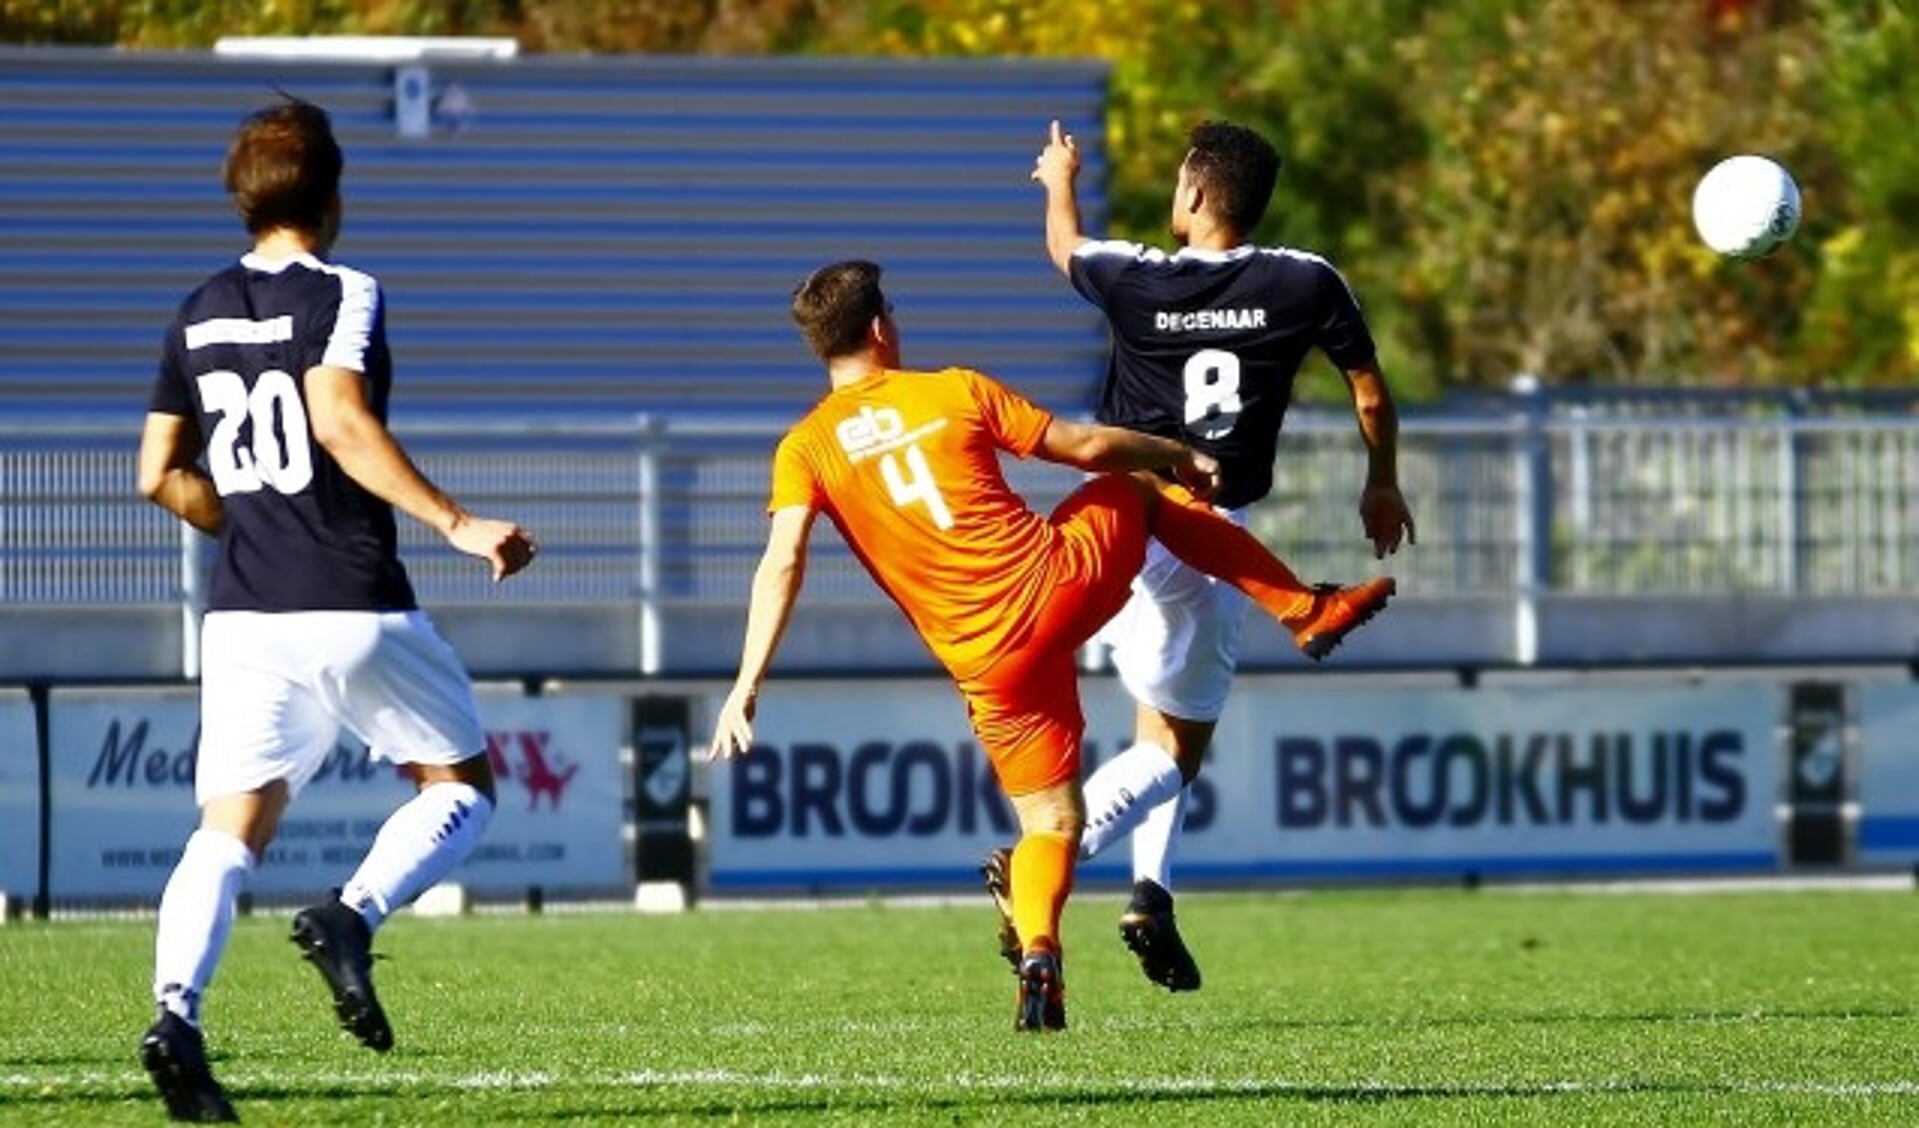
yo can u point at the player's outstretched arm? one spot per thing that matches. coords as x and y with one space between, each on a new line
1056 169
1102 449
168 477
776 587
345 425
1383 511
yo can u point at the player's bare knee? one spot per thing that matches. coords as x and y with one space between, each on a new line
1189 752
1058 810
253 817
474 771
1184 740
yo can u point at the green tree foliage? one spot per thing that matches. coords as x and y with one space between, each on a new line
560 26
1507 183
1549 228
1170 63
1862 325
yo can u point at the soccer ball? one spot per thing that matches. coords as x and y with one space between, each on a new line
1746 206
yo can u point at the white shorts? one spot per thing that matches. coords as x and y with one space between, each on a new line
277 688
1176 641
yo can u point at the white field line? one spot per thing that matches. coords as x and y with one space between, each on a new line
51 1084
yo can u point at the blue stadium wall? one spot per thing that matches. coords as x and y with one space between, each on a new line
574 235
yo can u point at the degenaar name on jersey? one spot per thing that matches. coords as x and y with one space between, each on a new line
1173 321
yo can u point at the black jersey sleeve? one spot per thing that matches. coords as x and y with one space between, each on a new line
1343 335
1097 265
171 394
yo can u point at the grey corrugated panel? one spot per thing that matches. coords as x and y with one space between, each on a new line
156 81
195 194
191 68
606 232
25 236
739 371
777 266
985 157
642 125
958 298
51 218
655 305
28 312
506 375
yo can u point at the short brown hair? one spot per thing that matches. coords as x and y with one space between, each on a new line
835 304
284 167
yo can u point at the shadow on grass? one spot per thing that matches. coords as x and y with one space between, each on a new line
838 1105
1568 1018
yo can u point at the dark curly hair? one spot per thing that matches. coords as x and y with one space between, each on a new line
1236 168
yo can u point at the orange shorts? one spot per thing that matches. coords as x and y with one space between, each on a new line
1025 706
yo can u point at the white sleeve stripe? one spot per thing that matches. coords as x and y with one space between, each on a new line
352 332
1295 253
1322 260
1119 248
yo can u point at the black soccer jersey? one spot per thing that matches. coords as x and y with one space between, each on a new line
1206 345
297 534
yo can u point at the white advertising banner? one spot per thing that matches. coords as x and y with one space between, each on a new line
122 798
19 796
875 785
1888 773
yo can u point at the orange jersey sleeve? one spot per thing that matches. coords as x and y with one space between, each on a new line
1015 422
794 482
907 466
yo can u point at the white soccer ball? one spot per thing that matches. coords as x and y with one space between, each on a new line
1746 206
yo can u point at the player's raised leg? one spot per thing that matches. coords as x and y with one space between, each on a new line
408 697
1180 673
418 845
1319 617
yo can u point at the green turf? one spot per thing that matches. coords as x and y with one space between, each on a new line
1370 1007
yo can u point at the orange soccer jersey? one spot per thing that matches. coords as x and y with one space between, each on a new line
906 464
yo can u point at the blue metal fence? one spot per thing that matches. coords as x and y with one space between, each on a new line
656 522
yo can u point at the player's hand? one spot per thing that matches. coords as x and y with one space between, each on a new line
503 544
1199 473
1385 517
1058 162
733 732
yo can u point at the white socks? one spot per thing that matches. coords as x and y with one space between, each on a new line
196 914
1122 791
419 844
1153 842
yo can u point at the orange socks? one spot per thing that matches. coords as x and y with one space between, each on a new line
1042 876
1198 534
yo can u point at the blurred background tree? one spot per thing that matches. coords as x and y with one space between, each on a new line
1507 183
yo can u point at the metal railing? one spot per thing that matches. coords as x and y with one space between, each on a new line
641 514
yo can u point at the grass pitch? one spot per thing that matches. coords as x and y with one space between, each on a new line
1360 1007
